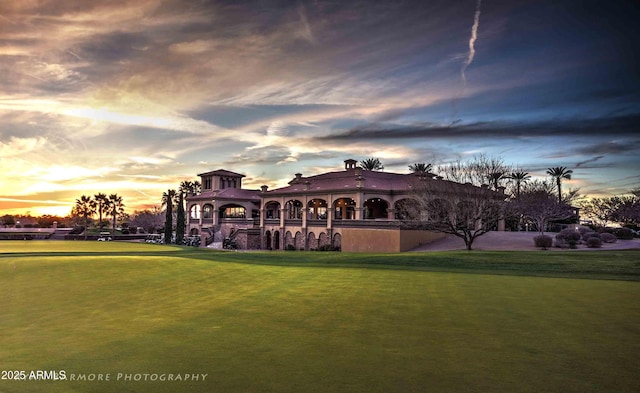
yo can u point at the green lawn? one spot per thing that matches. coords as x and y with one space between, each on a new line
318 322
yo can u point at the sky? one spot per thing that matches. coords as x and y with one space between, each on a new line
133 97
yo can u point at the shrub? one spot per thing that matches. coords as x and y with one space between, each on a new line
588 235
290 247
608 238
543 241
623 233
584 230
569 236
594 242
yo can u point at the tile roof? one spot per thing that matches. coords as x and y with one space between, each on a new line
222 172
228 193
347 180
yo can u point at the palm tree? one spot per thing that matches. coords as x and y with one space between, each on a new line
189 187
421 168
371 164
559 173
519 178
84 207
115 207
495 177
186 187
168 198
101 202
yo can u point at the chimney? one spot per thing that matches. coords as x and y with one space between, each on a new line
264 188
350 164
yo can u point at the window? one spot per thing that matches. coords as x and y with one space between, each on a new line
295 209
207 211
206 183
194 212
232 212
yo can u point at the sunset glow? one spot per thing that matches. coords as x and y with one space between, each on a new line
133 97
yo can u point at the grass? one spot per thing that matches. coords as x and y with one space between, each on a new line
325 322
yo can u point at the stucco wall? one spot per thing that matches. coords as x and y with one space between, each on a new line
384 240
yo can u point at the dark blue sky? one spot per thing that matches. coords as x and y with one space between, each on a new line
134 96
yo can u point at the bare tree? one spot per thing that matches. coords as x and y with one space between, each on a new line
462 210
540 207
627 208
600 210
150 220
480 170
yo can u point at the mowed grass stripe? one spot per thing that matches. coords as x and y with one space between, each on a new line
607 265
257 328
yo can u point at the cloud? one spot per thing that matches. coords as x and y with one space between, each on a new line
613 147
618 126
594 159
20 146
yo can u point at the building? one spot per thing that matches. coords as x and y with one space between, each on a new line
350 210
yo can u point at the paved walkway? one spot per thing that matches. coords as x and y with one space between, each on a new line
514 241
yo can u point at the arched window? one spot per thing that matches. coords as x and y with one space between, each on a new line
207 211
406 209
317 209
272 210
375 208
194 212
344 209
295 209
267 240
232 211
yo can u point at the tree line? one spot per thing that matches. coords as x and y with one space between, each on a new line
172 198
86 206
528 203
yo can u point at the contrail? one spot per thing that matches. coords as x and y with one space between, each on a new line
472 42
69 51
467 62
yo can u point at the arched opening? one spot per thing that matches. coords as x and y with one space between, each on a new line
276 240
207 211
194 212
267 240
406 209
324 240
312 242
299 241
288 241
344 209
317 209
375 208
272 210
337 242
232 211
294 207
194 232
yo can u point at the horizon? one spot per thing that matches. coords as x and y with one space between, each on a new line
133 97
